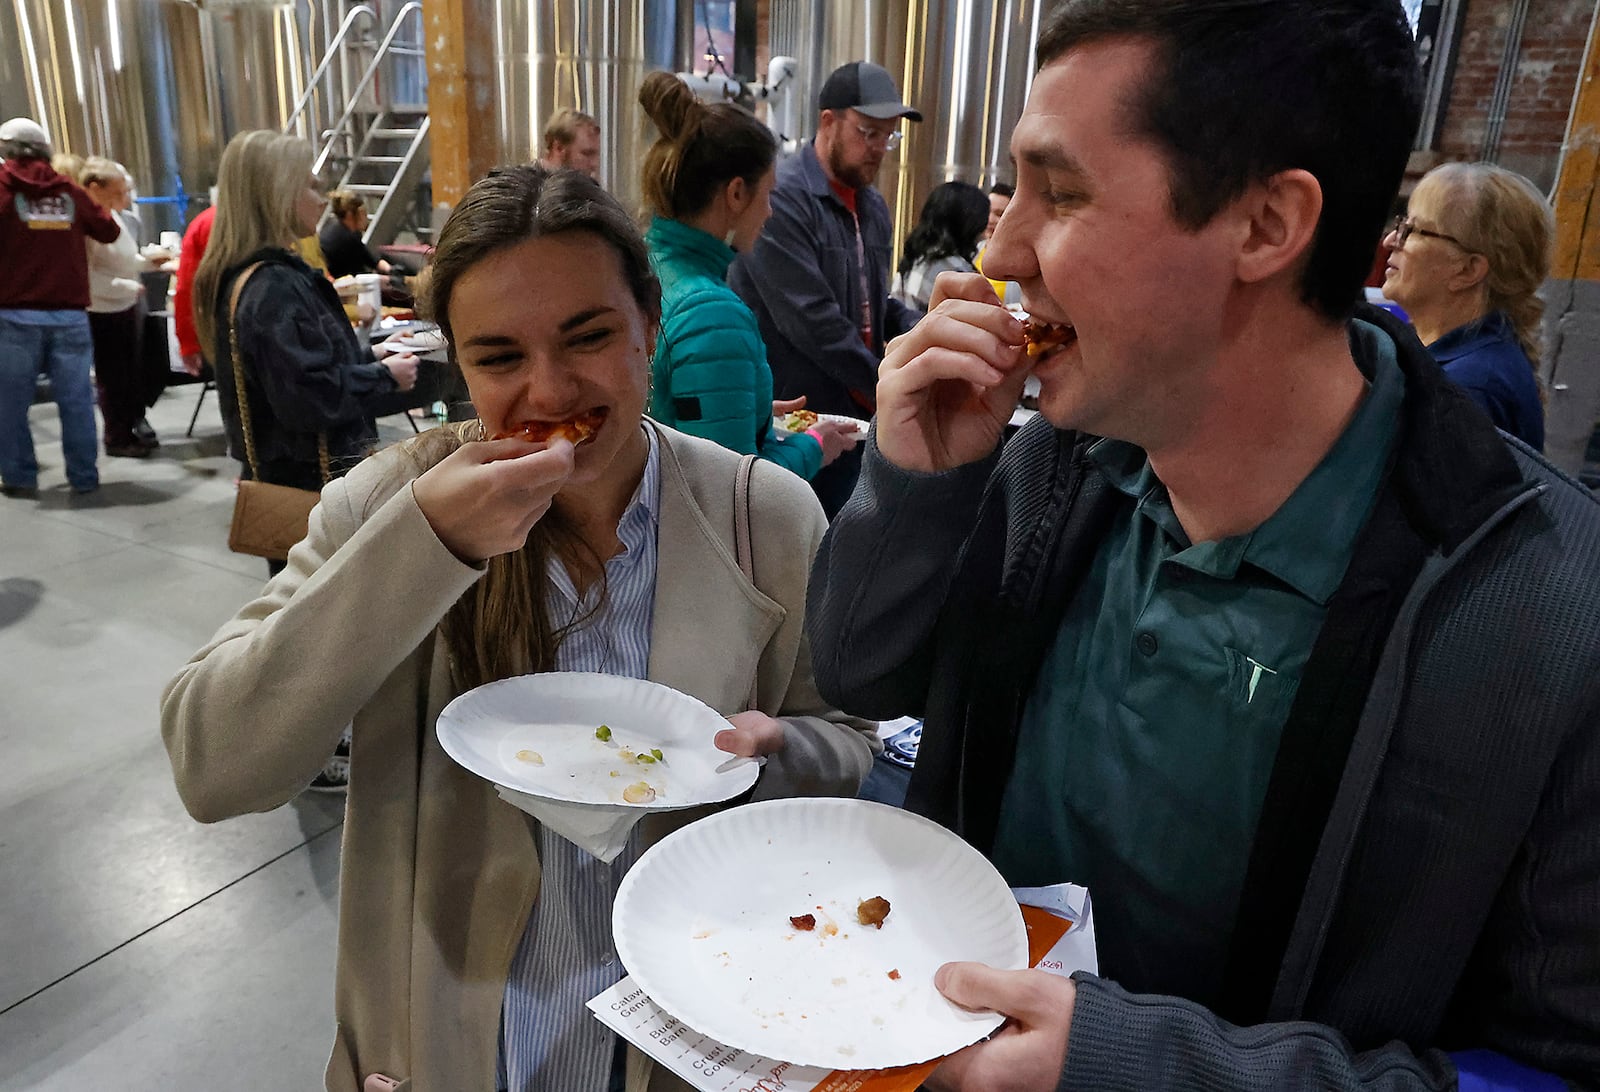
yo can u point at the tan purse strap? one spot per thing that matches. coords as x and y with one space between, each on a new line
741 518
323 462
741 541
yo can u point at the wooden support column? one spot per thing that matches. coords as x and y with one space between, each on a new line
463 138
1572 295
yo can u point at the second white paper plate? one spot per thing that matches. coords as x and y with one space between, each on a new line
702 923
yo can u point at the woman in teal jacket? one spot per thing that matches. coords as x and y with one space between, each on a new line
708 181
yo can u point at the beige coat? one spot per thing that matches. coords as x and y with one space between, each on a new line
439 874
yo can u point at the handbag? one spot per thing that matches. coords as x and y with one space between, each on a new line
742 540
268 520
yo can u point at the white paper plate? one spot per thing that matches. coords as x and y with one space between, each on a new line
862 427
702 924
555 715
421 341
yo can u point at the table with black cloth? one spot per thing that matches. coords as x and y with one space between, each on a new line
436 382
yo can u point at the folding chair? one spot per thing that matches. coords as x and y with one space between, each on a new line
208 385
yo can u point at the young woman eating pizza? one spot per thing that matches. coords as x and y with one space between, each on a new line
470 935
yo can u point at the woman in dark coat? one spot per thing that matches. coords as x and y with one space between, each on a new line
342 237
307 376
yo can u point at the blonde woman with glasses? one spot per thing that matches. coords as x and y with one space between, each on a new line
1466 261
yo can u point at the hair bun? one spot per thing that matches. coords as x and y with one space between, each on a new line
671 105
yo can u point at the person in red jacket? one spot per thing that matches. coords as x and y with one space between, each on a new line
195 239
44 300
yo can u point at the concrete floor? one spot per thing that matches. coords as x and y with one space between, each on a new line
140 949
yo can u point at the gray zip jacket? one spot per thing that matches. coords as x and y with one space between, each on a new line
1425 879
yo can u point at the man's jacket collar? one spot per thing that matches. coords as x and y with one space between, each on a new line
816 179
1453 469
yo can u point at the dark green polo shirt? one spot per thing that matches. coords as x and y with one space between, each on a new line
1147 743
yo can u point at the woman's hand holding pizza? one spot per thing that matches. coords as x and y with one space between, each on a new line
483 498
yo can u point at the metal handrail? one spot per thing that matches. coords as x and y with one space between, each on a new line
354 97
327 59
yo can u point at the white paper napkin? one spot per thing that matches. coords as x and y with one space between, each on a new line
599 829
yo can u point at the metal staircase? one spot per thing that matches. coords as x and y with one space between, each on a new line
378 146
386 169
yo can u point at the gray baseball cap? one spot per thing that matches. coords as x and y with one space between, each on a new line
866 87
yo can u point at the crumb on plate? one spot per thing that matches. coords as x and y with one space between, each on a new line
872 911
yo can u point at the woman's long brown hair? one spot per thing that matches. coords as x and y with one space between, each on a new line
502 626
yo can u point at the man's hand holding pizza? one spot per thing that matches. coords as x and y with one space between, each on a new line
948 387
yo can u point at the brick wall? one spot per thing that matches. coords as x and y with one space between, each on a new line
763 37
1553 39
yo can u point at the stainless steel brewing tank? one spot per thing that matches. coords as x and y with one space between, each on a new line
262 51
592 56
16 68
121 78
966 64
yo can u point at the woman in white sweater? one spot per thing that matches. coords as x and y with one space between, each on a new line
115 317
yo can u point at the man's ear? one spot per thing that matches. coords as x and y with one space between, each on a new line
1281 216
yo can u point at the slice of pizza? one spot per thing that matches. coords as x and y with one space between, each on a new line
1044 336
577 430
800 420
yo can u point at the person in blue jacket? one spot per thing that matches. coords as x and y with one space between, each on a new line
1466 261
708 182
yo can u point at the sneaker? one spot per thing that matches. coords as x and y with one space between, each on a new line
21 492
335 775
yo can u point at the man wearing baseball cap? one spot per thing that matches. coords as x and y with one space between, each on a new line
44 300
818 278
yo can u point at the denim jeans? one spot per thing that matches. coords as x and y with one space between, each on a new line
57 343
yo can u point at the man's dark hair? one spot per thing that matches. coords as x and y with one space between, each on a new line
1243 89
1004 189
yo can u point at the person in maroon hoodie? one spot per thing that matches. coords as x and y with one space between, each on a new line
44 299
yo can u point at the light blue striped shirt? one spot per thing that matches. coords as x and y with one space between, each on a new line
548 1040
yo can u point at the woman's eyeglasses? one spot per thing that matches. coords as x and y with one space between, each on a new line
1404 228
